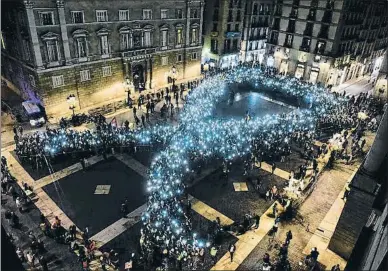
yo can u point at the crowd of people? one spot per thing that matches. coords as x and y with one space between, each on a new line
167 233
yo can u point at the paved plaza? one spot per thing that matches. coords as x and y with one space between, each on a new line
92 197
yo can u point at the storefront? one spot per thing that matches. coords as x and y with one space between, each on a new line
284 67
314 75
299 73
229 61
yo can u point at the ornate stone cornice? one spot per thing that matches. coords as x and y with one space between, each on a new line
60 3
29 4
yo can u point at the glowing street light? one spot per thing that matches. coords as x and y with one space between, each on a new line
71 101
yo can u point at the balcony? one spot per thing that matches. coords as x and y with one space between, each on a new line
323 35
308 32
287 45
311 17
293 15
304 48
327 17
138 52
230 51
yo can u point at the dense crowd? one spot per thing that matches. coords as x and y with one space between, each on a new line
167 237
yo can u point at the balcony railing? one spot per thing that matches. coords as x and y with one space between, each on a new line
304 48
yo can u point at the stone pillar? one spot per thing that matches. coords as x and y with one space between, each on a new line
34 35
201 23
62 22
379 147
150 75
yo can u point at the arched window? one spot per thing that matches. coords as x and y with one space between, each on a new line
126 42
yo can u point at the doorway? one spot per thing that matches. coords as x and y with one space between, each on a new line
138 77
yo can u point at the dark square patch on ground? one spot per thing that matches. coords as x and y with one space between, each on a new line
74 194
220 195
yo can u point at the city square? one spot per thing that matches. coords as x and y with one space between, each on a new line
226 163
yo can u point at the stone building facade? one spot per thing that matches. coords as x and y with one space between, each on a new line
257 18
222 32
96 50
328 41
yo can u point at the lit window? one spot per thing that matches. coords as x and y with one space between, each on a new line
77 17
101 15
58 81
84 75
194 35
106 71
179 36
123 15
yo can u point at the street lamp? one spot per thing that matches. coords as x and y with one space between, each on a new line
174 75
71 101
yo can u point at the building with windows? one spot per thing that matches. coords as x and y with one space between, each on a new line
95 50
222 33
328 41
257 17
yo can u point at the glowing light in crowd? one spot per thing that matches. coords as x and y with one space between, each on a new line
201 135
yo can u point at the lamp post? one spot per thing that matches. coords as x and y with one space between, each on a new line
71 101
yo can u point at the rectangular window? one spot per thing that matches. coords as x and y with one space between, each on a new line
164 60
147 39
124 15
52 50
179 36
58 81
194 56
77 17
261 10
104 45
84 75
179 58
101 15
46 18
125 41
164 38
147 14
106 71
81 47
194 35
194 13
289 39
164 14
179 14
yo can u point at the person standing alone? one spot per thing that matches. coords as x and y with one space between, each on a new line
232 249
